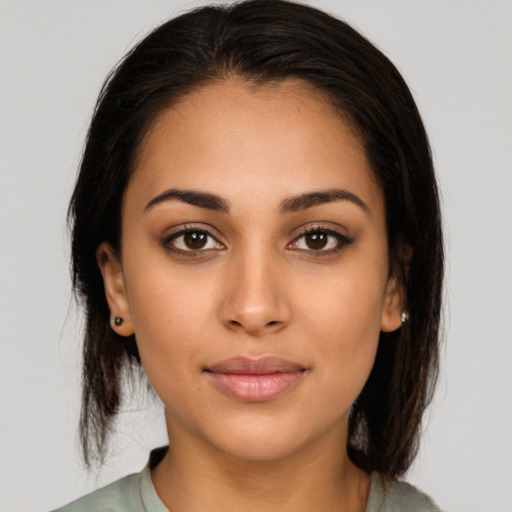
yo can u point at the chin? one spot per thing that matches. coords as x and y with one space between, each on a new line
261 450
260 442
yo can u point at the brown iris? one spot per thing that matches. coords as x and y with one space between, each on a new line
316 241
195 240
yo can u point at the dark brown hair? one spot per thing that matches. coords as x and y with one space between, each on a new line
265 41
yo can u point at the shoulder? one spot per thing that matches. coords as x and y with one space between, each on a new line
123 495
397 496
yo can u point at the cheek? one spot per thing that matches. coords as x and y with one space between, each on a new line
169 312
342 318
347 340
347 303
164 297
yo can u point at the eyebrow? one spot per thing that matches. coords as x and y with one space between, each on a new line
193 197
311 199
289 205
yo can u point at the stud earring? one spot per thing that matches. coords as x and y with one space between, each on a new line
118 321
404 317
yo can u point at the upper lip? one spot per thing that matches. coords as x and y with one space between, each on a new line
261 366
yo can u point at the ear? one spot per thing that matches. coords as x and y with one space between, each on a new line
115 291
395 302
393 306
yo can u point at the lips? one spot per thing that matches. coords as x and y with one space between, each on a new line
255 380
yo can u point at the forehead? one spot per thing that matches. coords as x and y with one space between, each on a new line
276 139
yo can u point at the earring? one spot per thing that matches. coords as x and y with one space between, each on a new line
404 317
118 321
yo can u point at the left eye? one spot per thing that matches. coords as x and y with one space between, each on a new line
319 241
193 241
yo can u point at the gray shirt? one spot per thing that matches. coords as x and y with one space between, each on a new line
135 493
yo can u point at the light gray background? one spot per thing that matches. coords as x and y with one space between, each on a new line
456 55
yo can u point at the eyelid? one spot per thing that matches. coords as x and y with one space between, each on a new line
343 239
182 230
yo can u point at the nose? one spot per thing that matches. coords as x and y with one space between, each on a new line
254 299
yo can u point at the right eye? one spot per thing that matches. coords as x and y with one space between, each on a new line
191 241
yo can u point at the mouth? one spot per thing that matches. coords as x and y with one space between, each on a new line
255 380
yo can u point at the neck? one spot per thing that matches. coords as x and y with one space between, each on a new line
194 477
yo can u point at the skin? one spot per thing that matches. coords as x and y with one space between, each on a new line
259 287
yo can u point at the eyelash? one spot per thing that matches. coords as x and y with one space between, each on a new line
341 241
167 242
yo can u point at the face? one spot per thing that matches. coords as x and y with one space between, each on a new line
254 268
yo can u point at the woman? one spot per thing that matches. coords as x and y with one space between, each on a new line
256 224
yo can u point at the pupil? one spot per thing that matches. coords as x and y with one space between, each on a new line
316 240
195 240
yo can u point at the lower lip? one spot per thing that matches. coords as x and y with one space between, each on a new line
256 388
